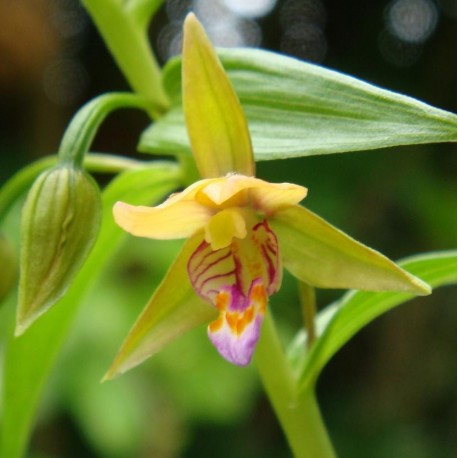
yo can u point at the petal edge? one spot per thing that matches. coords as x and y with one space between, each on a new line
180 219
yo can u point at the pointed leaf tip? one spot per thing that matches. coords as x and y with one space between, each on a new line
216 125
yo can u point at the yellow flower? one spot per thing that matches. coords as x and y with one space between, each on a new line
236 265
240 230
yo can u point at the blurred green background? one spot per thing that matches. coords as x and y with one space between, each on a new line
392 391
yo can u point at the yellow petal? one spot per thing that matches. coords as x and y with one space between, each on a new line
239 190
182 214
223 226
171 220
217 127
272 197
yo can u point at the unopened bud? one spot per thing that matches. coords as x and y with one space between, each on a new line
60 223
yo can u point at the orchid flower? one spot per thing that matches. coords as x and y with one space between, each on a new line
241 230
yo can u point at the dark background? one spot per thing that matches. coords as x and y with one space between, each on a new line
391 392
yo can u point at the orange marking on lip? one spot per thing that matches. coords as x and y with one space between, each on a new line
222 300
232 320
237 321
258 294
216 325
245 320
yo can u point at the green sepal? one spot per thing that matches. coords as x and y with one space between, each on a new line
215 121
296 109
173 310
60 223
321 255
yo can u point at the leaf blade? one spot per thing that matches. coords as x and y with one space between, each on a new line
298 109
340 321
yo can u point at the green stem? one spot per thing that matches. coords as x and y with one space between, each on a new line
127 41
300 418
308 302
84 125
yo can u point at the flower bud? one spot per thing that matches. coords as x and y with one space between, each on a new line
60 222
8 265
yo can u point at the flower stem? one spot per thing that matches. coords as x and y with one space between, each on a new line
308 302
300 418
84 125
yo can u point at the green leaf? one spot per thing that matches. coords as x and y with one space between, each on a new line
170 312
299 109
321 255
217 127
29 358
339 322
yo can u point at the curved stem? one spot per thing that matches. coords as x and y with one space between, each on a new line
299 417
81 131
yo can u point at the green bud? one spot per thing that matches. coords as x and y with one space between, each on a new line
8 265
60 222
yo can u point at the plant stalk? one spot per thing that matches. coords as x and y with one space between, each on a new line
300 418
84 125
308 302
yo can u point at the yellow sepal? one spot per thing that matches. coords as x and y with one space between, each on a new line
215 121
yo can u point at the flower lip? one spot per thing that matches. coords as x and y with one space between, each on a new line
237 329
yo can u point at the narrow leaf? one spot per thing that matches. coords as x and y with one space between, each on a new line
339 322
299 109
173 309
321 255
216 124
